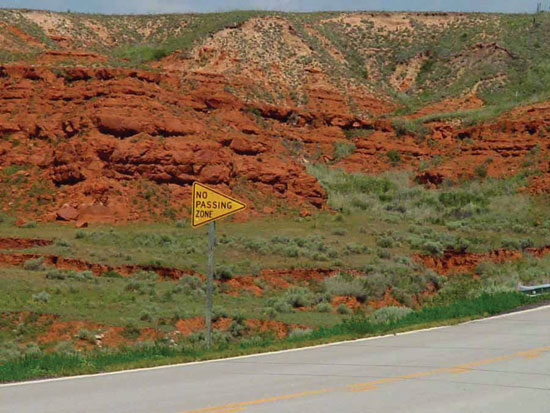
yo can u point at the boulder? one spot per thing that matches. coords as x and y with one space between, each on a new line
67 213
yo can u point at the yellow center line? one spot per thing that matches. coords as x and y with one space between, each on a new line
460 368
373 385
240 405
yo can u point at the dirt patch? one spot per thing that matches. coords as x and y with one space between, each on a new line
468 102
98 269
243 284
405 74
292 276
189 326
351 302
27 38
23 243
387 301
456 262
60 56
67 331
279 279
279 328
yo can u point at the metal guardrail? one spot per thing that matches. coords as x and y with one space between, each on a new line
535 290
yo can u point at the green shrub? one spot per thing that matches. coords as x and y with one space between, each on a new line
34 264
433 247
9 351
355 249
324 307
87 335
282 306
343 309
32 350
143 53
65 348
388 315
394 156
404 127
82 276
224 272
41 297
56 274
192 282
112 274
375 285
219 312
345 285
62 243
319 256
299 333
299 297
343 150
181 224
385 241
291 251
341 182
459 199
481 170
270 312
131 331
149 276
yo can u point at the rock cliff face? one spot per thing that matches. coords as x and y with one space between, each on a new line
89 133
117 137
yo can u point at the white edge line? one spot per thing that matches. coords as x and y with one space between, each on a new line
194 363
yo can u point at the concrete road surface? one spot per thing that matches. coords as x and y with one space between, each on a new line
496 365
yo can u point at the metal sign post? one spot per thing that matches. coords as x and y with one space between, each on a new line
210 205
210 281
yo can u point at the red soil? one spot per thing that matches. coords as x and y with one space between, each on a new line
350 302
168 137
284 278
98 269
245 283
280 329
387 301
280 279
455 262
191 325
112 144
23 243
109 154
107 336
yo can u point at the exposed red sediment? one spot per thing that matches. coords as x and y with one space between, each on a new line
23 243
387 301
189 326
155 140
281 279
351 302
454 262
98 269
168 146
274 276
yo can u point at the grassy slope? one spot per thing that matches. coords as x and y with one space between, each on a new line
65 364
451 68
382 222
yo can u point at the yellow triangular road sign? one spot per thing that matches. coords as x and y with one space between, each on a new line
210 205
